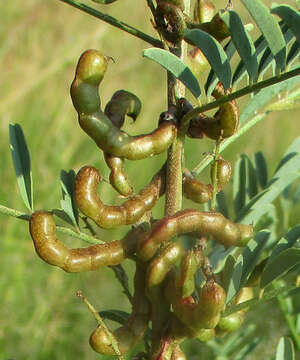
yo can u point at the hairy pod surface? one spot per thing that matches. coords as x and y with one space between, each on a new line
50 249
224 123
109 138
133 330
106 216
122 103
117 177
195 190
215 224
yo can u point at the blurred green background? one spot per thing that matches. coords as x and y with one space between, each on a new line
41 318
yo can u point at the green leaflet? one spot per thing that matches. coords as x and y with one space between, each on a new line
214 53
173 64
243 43
231 276
261 169
67 203
270 29
21 159
285 349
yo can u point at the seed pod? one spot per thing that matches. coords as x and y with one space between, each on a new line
215 224
224 123
84 92
185 282
133 330
197 61
204 11
178 354
201 193
161 265
106 216
170 20
178 3
117 177
54 252
231 323
122 103
204 314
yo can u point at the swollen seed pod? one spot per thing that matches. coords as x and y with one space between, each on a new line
185 282
204 11
215 224
105 216
133 330
122 103
224 123
117 177
109 138
54 252
178 354
223 173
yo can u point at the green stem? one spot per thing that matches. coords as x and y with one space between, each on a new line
114 342
214 174
237 94
288 318
121 276
208 159
79 235
114 22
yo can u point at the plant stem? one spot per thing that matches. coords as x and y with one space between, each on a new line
237 94
208 159
114 22
214 173
114 342
79 235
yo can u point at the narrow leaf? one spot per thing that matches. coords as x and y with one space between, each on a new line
104 2
173 64
251 181
261 169
270 29
290 16
239 185
21 159
285 349
251 254
222 206
68 204
232 276
213 52
212 79
115 315
243 42
280 265
293 53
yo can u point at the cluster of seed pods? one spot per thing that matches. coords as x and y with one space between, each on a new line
162 288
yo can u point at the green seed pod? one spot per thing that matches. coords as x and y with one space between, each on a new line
161 265
84 92
185 282
178 354
224 123
204 11
204 314
106 216
215 224
133 330
197 62
122 103
170 20
117 177
54 252
223 173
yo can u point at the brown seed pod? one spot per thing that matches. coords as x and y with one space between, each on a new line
215 224
201 193
133 330
117 177
49 248
224 123
105 216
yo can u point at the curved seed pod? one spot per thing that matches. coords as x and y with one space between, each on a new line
170 20
133 330
54 252
117 177
185 282
196 61
205 314
178 354
201 193
84 92
106 216
215 224
204 11
232 322
224 123
122 103
161 265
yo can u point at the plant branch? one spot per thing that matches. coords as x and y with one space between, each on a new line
208 159
237 94
79 235
114 22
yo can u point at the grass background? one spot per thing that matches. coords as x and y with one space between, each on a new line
41 318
